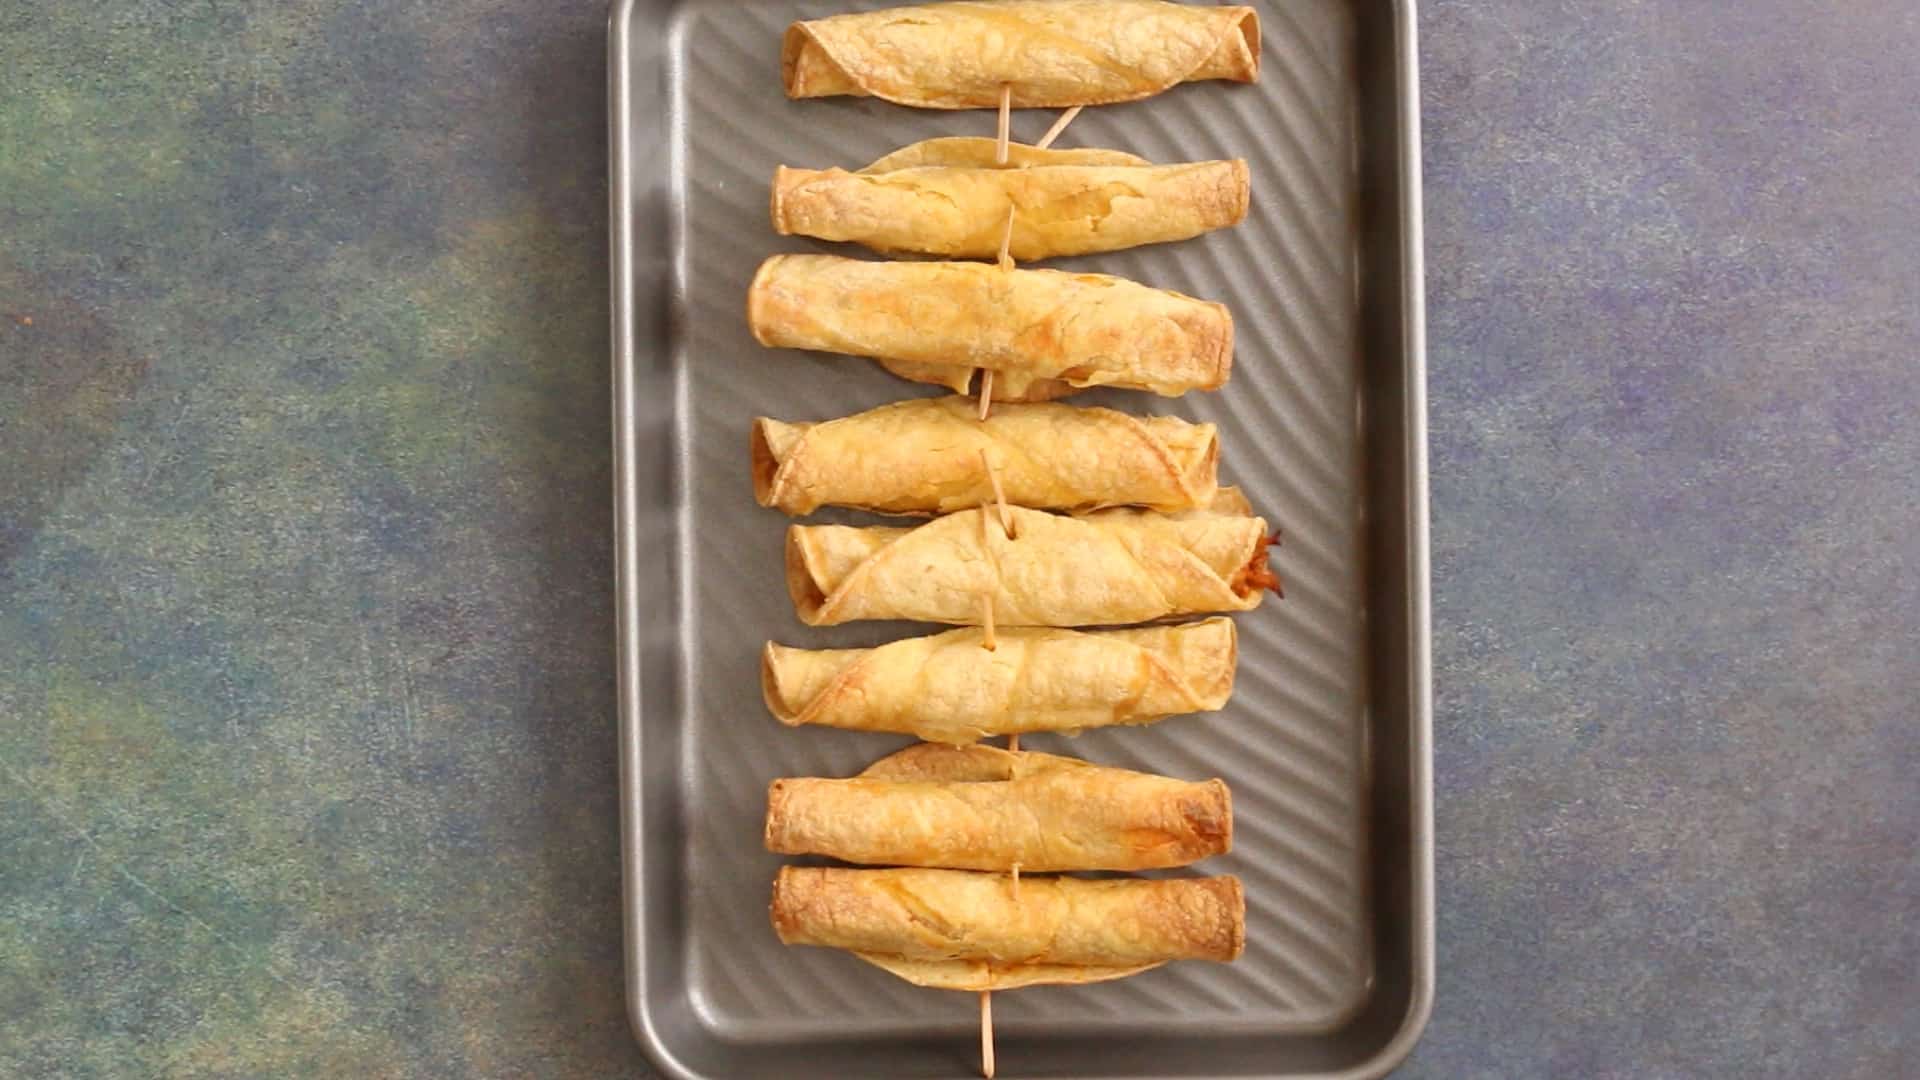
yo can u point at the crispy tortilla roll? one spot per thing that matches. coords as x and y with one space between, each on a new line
924 457
1107 568
1057 209
937 321
1052 53
962 915
946 688
982 808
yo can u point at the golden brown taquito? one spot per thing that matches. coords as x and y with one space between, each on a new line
918 914
1107 568
947 688
983 808
1054 209
1051 53
938 321
925 457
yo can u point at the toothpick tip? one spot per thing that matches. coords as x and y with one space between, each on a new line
1059 126
986 1033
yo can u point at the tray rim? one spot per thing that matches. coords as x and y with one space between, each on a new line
621 173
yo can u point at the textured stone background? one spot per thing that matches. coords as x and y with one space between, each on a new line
305 662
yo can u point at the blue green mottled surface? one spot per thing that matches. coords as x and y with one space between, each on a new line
305 661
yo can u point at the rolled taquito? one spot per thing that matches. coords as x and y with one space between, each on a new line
944 915
983 808
1055 208
938 321
926 457
1107 568
1050 53
947 688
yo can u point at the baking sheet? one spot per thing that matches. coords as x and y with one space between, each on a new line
1325 741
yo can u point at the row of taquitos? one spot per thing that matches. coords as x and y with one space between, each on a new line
937 814
1145 532
952 819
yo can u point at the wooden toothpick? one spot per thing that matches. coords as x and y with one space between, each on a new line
986 1034
1006 124
1002 137
1006 241
999 494
1059 126
988 639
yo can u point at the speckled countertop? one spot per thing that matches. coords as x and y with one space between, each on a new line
306 696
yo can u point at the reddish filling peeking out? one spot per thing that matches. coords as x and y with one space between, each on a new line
1257 575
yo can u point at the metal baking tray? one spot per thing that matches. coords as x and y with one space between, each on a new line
1326 741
